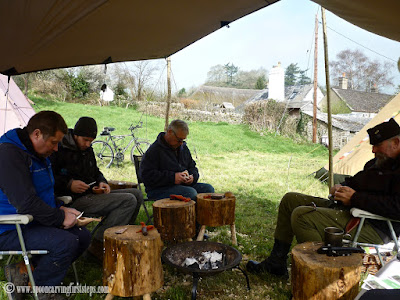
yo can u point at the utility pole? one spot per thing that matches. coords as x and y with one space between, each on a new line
314 137
328 89
169 92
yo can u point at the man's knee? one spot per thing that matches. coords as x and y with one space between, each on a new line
298 214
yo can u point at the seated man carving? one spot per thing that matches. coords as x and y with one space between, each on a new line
376 189
168 168
74 167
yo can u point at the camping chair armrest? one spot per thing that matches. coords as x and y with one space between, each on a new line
65 199
15 219
359 213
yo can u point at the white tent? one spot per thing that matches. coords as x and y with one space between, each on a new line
15 108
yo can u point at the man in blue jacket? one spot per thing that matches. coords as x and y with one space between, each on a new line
168 168
27 187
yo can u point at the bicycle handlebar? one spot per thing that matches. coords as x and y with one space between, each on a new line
140 125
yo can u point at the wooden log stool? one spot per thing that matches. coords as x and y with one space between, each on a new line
174 219
120 184
132 262
216 212
318 276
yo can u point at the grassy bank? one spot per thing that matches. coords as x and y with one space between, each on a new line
258 169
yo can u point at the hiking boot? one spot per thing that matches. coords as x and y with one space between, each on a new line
96 248
275 264
18 276
279 269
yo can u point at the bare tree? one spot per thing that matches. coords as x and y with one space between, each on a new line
361 71
139 75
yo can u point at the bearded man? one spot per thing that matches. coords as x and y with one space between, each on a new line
375 189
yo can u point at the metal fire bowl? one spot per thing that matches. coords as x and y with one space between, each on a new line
176 255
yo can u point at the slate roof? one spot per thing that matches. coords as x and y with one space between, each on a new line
346 122
363 101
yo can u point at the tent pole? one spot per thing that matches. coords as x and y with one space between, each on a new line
328 89
169 92
314 138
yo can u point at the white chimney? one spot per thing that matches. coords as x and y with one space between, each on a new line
343 82
276 86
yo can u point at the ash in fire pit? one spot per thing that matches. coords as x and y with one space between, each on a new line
207 261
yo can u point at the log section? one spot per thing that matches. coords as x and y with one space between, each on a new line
318 276
174 219
120 184
216 212
132 262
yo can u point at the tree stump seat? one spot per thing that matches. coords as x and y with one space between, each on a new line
318 276
216 212
174 219
132 262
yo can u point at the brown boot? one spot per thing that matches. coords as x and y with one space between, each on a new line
96 248
18 276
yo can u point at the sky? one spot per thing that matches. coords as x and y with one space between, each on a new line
282 32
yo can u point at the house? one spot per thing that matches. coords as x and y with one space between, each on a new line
344 127
344 100
301 97
297 98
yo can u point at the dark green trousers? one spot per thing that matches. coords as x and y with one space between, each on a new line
307 223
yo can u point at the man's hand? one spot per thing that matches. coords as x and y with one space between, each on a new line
343 194
181 177
78 186
333 189
189 180
105 186
70 215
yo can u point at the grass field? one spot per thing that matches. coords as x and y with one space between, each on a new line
258 169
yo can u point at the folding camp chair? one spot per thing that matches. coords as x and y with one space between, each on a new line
18 220
137 160
362 214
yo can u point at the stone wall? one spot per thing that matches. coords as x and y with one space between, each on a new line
177 111
339 137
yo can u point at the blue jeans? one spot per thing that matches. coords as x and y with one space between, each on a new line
189 191
64 247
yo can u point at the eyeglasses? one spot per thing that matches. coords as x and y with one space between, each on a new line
177 138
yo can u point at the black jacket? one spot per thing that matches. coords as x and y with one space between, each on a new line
161 162
71 163
378 191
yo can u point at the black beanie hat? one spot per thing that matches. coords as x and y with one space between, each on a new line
86 126
383 131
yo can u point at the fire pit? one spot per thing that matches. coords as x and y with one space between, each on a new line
202 259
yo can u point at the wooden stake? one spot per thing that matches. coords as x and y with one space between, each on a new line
328 91
314 139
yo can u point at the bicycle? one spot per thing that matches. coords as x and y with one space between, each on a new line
103 150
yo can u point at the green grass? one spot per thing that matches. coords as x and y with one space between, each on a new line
258 169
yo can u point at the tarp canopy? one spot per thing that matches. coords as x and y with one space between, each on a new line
15 108
47 34
50 34
353 156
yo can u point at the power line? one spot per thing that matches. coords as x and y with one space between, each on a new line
361 44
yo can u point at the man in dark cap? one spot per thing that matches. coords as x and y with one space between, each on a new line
376 189
76 173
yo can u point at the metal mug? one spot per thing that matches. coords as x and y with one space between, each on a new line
334 236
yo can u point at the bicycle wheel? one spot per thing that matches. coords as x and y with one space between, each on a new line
104 154
139 149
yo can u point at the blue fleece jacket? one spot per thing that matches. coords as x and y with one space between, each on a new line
26 182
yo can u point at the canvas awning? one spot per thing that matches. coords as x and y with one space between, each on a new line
46 34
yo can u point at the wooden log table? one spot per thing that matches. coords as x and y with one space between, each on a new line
120 184
132 262
216 212
318 276
174 219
